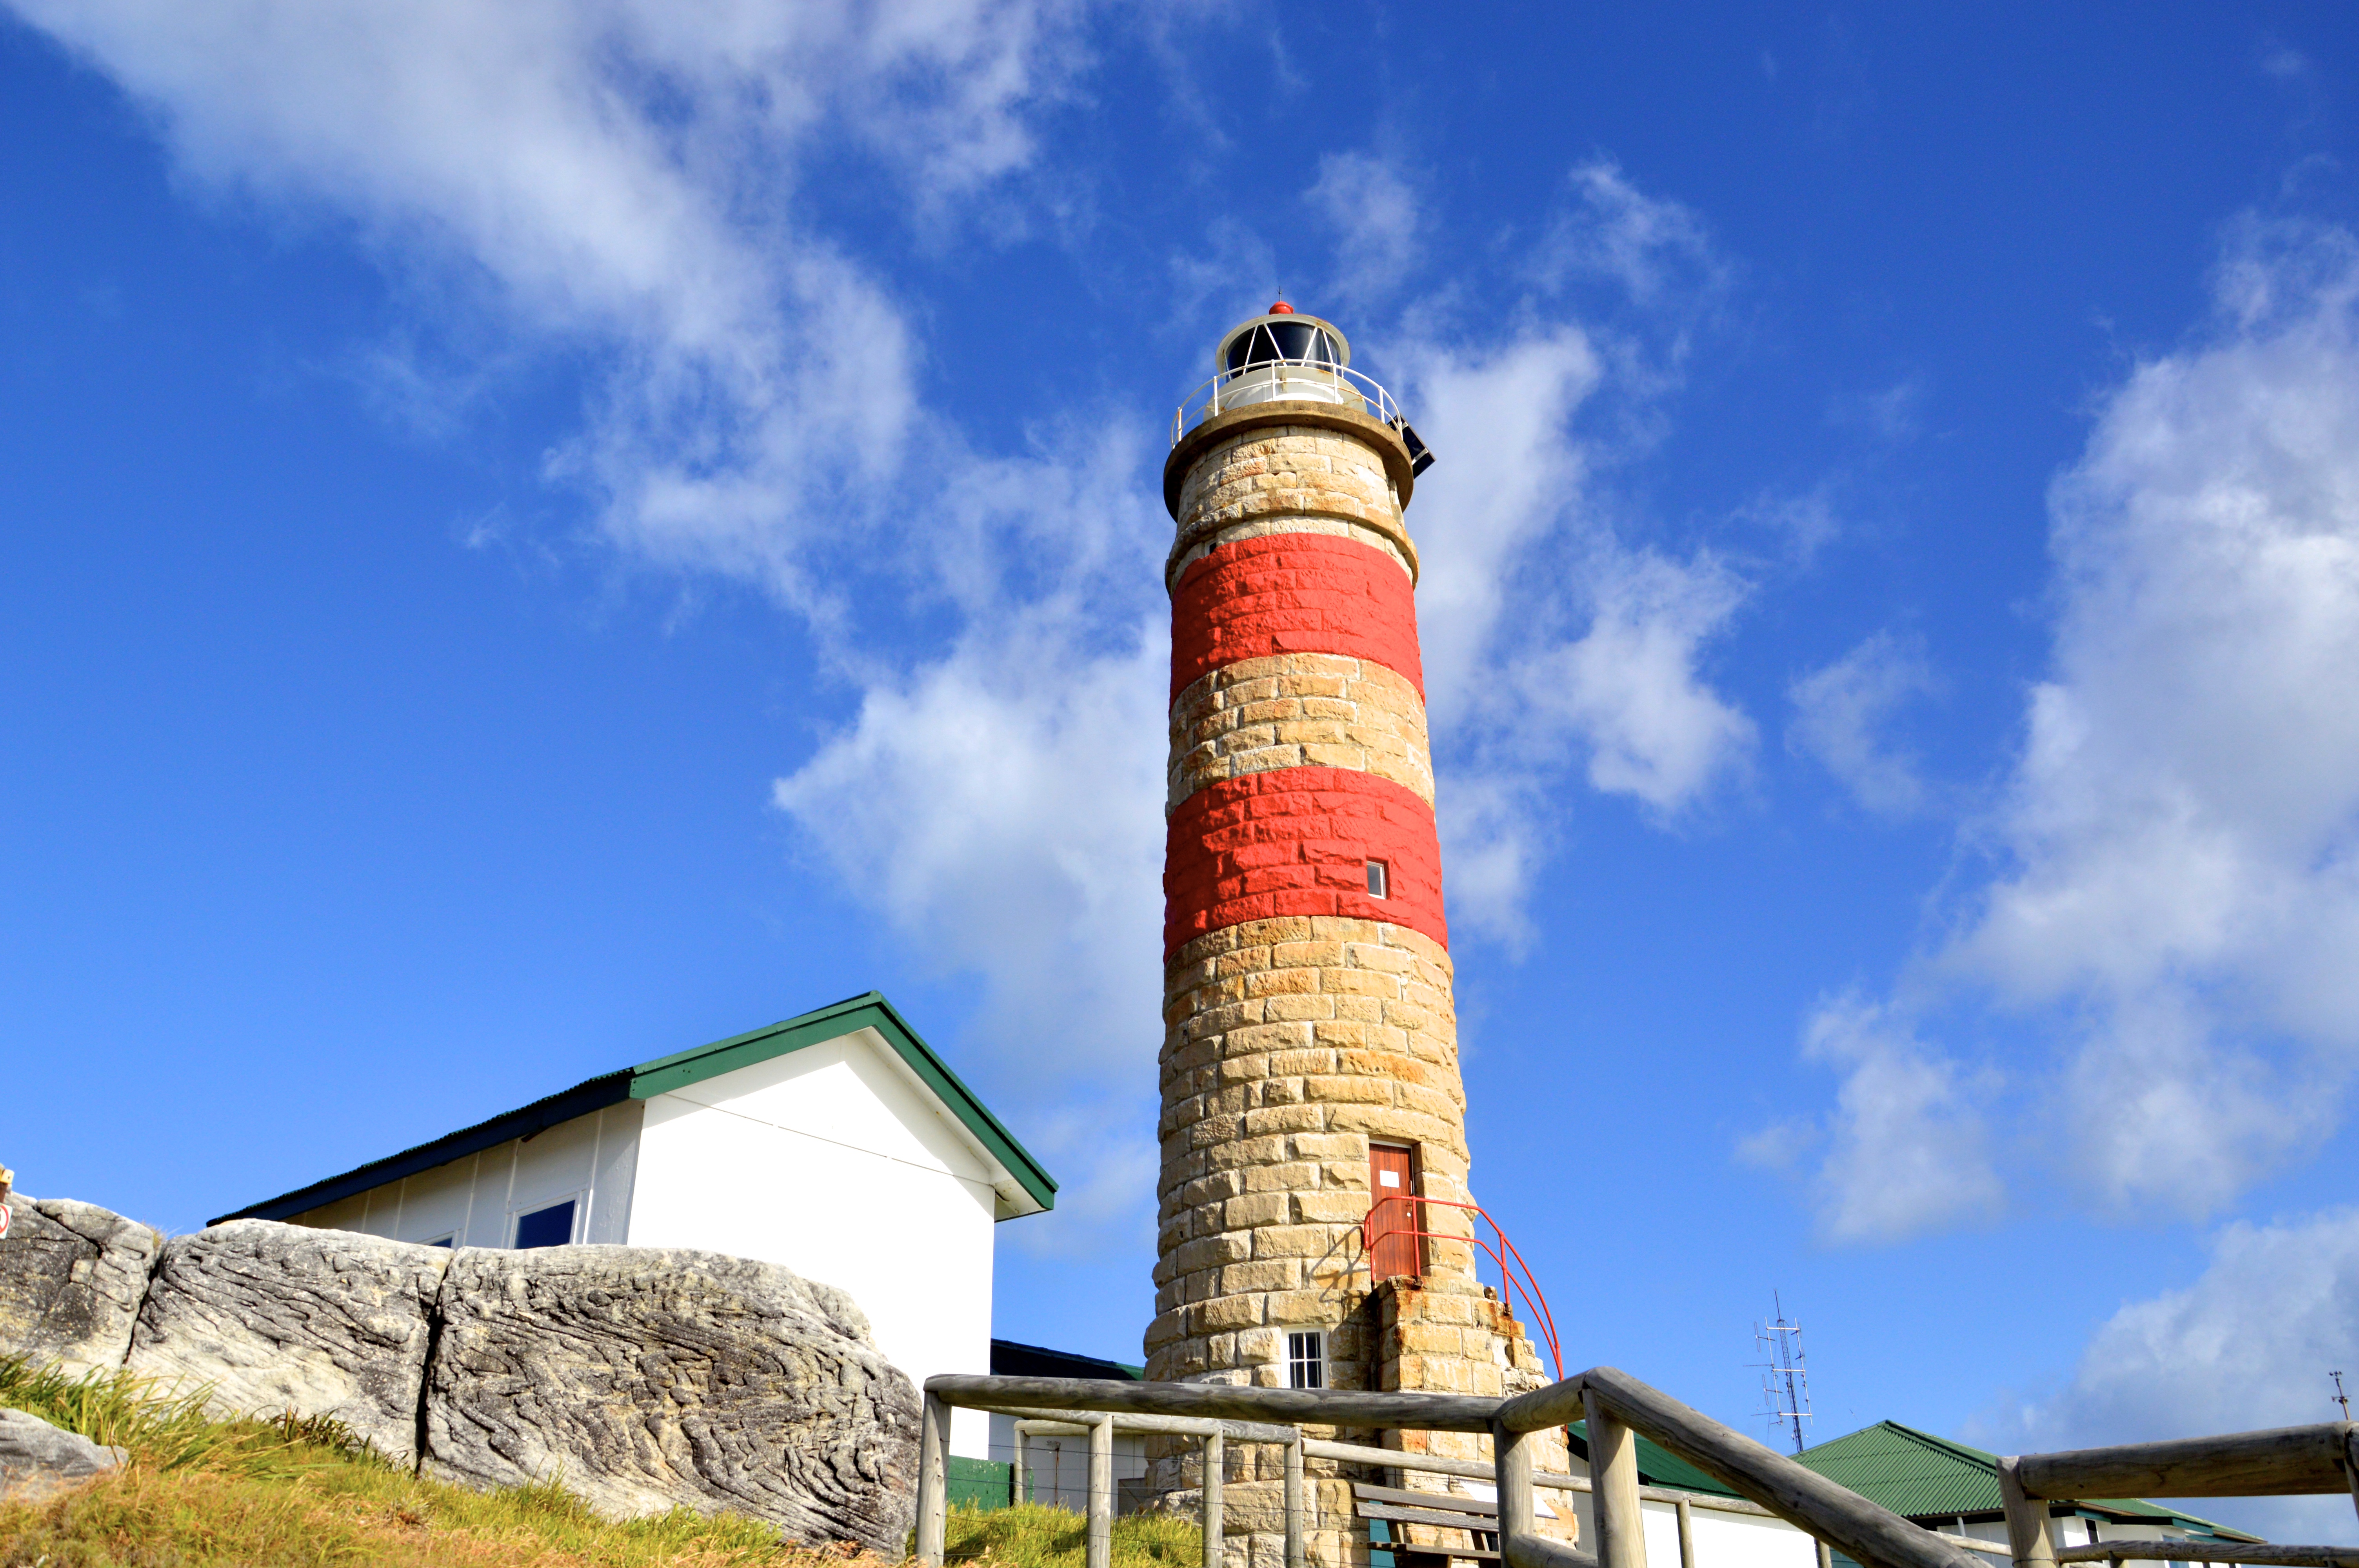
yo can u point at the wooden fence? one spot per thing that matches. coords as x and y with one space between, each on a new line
2290 1460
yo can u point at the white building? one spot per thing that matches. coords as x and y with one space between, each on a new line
836 1144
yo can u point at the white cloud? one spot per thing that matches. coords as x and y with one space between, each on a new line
626 178
634 183
1553 643
643 187
2176 897
2183 827
1840 710
1550 643
1659 252
1630 689
2247 1346
1375 214
1001 809
1907 1149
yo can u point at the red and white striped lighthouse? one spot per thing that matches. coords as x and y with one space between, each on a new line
1310 1066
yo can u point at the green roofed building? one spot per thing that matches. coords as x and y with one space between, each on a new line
1947 1485
836 1143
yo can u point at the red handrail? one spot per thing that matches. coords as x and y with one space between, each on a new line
1527 1287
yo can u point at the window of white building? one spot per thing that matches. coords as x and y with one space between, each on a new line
547 1227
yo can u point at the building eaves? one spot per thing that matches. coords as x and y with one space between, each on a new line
868 1011
1010 1359
648 1080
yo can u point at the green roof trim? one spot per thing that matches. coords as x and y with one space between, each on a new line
1923 1476
868 1011
648 1080
1658 1466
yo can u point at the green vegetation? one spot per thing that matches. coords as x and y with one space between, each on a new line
303 1494
1032 1535
200 1493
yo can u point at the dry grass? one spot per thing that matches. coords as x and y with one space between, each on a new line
295 1494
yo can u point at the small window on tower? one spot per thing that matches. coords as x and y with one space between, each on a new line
1306 1360
1379 880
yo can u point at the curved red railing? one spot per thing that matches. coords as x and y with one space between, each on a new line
1526 1286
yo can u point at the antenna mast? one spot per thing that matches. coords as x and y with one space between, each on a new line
2339 1397
1785 1376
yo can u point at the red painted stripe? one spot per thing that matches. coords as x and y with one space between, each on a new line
1293 594
1297 841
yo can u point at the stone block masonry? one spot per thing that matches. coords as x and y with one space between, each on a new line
1299 710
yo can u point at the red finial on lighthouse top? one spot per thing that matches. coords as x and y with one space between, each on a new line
1281 309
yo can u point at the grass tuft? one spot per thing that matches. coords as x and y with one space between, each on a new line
305 1493
1033 1535
296 1493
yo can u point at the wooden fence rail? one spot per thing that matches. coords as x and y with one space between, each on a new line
1619 1409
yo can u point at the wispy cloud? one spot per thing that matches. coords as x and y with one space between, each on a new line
1656 251
1841 710
643 189
2174 895
1907 1149
624 180
1373 211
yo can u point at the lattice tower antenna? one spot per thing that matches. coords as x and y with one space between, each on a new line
1785 1376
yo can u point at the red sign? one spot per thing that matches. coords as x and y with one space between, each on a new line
3 1219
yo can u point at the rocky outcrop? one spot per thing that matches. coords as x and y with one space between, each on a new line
646 1380
38 1460
281 1317
72 1278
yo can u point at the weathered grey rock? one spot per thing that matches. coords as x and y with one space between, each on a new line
646 1379
72 1277
38 1460
279 1317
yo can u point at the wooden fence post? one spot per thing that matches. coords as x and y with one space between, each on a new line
1614 1488
1294 1532
1019 1480
1101 1515
1216 1461
1511 1479
2026 1520
934 1480
1687 1533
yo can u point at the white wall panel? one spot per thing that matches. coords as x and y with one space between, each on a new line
831 1162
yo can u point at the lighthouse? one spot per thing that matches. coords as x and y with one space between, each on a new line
1316 1227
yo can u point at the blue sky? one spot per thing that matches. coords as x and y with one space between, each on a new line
537 538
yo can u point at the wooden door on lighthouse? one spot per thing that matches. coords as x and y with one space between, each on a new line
1395 1248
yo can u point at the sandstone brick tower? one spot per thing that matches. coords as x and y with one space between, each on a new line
1310 1066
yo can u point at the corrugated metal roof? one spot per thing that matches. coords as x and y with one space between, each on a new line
1925 1477
1909 1472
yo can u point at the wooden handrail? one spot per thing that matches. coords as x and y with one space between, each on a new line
2260 1556
2286 1461
1823 1508
1221 1401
